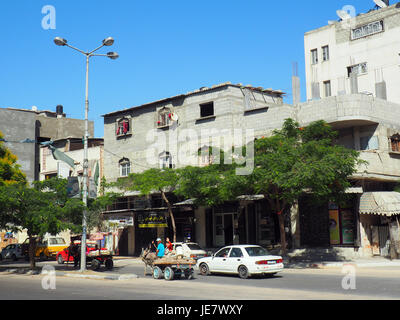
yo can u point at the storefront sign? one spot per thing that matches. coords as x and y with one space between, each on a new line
152 220
121 221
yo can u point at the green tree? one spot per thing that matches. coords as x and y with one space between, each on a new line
10 171
296 160
43 208
150 181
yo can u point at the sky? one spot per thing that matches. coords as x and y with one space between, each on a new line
166 48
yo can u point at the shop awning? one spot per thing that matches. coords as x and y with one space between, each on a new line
380 203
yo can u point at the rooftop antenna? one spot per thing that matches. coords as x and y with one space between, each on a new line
382 3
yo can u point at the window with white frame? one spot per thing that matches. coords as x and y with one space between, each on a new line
165 160
357 69
327 89
314 56
124 167
325 53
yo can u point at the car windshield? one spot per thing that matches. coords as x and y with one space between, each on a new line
56 241
256 251
194 246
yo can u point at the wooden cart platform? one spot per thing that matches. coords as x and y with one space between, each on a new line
172 268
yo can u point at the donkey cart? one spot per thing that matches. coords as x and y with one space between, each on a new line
172 269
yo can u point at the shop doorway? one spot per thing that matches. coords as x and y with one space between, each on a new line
224 229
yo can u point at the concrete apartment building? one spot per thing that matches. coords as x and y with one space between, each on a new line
38 126
352 73
129 147
353 76
356 55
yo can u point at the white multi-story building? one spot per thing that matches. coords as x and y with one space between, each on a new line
356 55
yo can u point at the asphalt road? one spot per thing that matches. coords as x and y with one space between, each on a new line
292 284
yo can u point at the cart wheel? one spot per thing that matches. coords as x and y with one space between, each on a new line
168 273
189 274
109 264
95 265
157 273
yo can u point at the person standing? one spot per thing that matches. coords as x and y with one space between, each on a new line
160 249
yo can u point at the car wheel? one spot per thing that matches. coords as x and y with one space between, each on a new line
243 272
188 274
157 273
60 259
168 274
204 269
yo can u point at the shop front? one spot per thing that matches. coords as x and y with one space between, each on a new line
380 226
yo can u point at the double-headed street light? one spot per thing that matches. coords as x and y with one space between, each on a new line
112 55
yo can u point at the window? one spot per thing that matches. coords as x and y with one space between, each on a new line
357 69
205 156
367 30
236 253
395 143
327 89
314 56
164 117
125 167
222 253
207 110
165 160
325 53
256 251
123 127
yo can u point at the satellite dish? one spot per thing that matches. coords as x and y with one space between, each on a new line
380 4
343 14
174 117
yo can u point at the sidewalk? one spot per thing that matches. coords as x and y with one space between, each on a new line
361 263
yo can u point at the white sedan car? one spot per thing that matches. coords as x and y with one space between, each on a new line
189 250
244 260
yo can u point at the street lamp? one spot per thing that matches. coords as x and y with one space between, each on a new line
112 55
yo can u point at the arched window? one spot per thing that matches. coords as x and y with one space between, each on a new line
123 127
124 167
164 117
165 160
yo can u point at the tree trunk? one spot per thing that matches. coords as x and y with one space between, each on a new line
32 248
171 214
281 219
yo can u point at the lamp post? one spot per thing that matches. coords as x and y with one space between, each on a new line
112 55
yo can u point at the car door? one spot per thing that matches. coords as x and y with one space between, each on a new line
234 260
219 260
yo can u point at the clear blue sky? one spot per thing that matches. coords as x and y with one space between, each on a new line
166 48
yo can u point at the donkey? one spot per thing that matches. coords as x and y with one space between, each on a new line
148 259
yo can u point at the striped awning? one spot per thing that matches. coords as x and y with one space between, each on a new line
380 203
